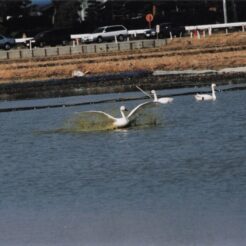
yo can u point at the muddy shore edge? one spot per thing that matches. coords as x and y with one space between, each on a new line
119 82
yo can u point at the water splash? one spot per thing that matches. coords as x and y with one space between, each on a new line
87 122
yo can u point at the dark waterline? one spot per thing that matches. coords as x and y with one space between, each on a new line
182 182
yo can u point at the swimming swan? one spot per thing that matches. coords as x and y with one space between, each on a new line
125 120
205 97
163 100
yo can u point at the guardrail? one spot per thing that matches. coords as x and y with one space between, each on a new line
22 40
210 27
80 49
137 31
77 38
130 32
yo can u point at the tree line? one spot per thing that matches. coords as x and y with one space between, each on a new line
23 14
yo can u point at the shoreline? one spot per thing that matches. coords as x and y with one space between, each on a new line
121 82
182 62
88 99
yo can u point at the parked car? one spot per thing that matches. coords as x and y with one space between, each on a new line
165 30
6 42
106 33
52 37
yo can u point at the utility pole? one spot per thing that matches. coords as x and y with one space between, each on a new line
225 11
234 10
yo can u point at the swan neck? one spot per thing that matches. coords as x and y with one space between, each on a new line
123 114
213 93
155 96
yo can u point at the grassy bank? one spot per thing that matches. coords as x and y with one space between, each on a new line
214 52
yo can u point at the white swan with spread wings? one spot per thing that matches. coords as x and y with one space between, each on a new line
125 120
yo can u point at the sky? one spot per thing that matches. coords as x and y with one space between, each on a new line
41 1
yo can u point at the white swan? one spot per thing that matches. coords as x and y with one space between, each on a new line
163 100
206 97
125 120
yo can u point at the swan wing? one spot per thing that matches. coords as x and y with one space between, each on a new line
101 114
144 92
91 121
139 108
198 97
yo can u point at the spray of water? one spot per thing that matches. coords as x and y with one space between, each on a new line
89 121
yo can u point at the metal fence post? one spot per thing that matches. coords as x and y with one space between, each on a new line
171 35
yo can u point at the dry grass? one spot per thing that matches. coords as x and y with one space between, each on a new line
63 67
219 40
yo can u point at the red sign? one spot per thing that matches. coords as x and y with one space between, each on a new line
149 17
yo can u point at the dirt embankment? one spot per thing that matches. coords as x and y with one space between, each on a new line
214 52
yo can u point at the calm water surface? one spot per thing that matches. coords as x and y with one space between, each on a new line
182 182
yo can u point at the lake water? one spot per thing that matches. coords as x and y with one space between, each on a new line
180 182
